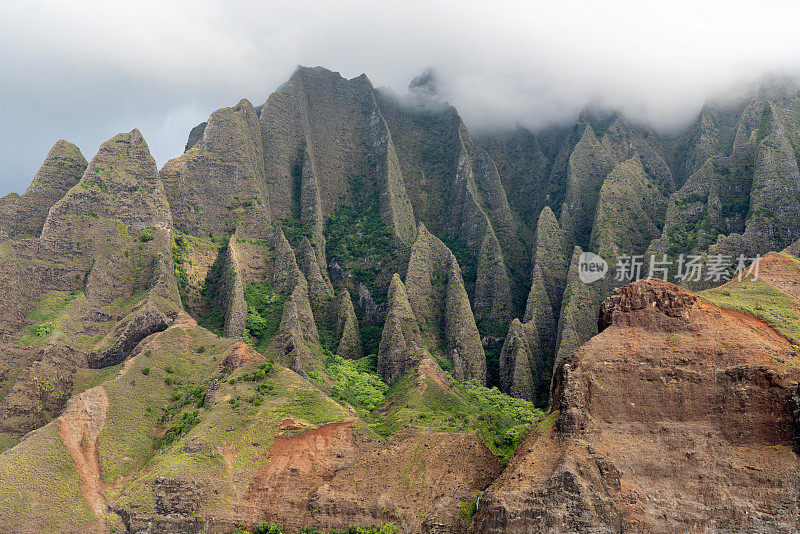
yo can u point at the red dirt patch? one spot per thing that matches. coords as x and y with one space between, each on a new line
298 465
757 325
80 425
237 357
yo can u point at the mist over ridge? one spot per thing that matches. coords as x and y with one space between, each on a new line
86 71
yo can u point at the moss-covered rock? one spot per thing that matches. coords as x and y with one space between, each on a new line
523 371
441 306
401 340
347 327
630 210
460 332
589 164
578 320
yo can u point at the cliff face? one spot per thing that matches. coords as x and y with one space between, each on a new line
677 416
614 188
218 183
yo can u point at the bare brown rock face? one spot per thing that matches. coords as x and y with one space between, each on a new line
650 304
443 472
677 417
42 388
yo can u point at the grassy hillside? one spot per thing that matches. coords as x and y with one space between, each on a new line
758 298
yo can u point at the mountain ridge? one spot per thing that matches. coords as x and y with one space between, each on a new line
342 273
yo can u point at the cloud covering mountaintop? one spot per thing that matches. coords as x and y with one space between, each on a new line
85 70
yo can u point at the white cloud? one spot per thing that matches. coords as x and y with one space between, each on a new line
86 69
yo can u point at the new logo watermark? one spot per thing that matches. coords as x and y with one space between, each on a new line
717 268
591 267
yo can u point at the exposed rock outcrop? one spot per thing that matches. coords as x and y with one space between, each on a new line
672 391
588 167
121 183
144 322
578 320
217 185
668 414
90 228
630 210
650 304
522 367
455 190
231 292
363 493
460 332
320 290
297 332
41 390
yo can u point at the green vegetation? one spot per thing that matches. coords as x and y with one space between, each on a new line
88 378
358 240
361 388
313 406
95 184
489 326
186 422
295 230
757 298
48 313
370 334
44 329
180 253
148 414
467 509
214 319
6 442
500 420
259 391
268 528
464 257
327 338
146 234
264 312
503 421
493 365
50 469
389 528
184 395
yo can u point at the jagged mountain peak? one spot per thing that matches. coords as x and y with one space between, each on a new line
25 215
322 74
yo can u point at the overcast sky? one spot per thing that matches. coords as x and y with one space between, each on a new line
85 70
